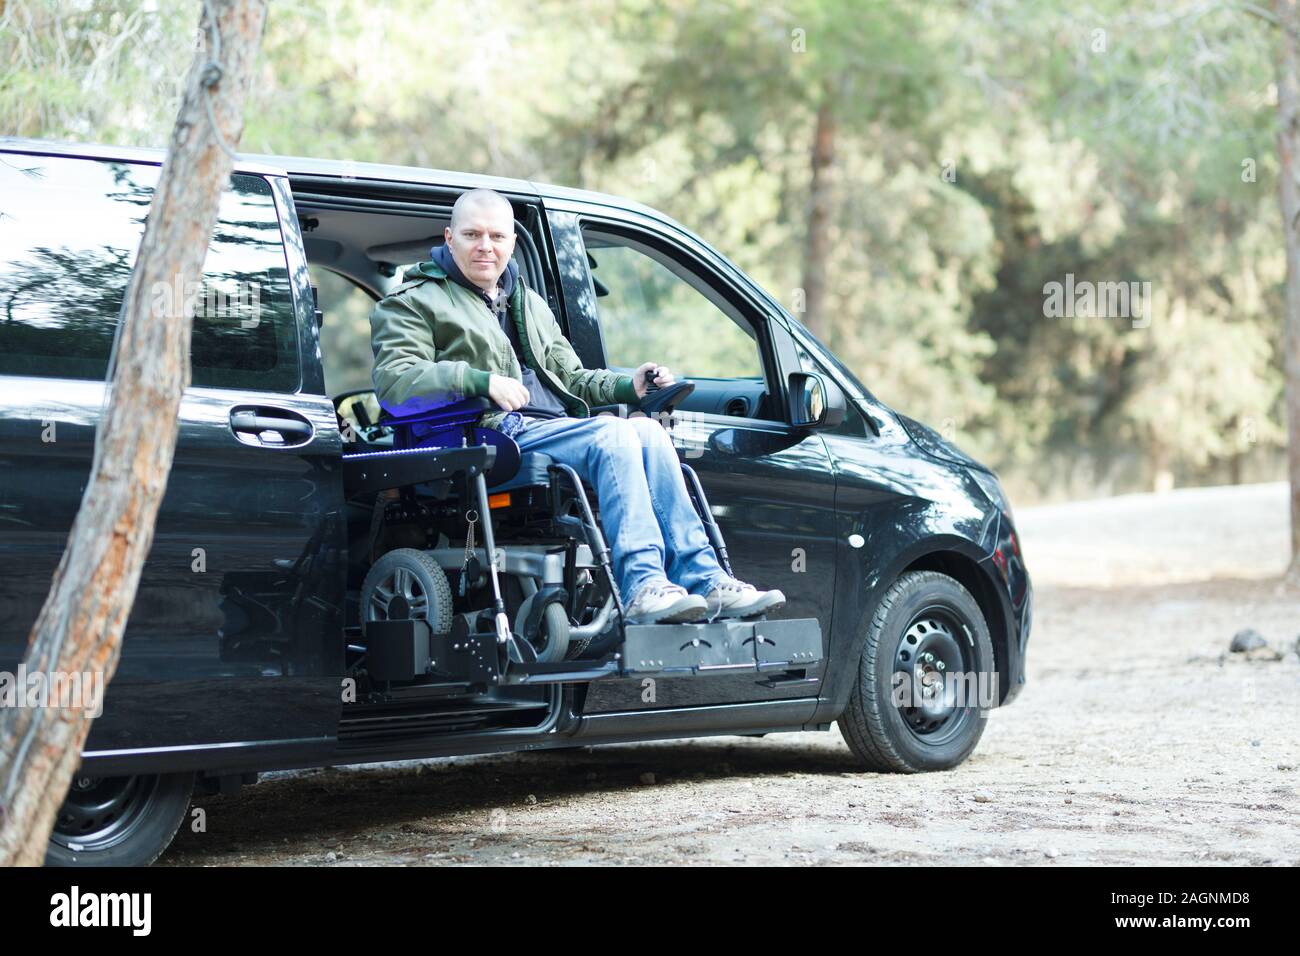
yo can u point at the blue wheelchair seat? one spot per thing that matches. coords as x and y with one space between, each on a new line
453 424
532 471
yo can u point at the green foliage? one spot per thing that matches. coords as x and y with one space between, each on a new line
103 71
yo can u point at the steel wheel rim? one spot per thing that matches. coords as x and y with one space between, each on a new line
936 646
101 812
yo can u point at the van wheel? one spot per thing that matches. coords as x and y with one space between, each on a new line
119 821
407 585
925 681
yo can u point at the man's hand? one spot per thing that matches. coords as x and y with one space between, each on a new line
660 373
507 393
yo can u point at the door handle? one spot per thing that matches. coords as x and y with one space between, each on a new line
269 427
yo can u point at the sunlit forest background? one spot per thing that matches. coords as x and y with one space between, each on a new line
905 177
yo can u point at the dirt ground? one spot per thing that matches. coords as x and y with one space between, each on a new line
1137 740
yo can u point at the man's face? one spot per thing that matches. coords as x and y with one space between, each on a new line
482 242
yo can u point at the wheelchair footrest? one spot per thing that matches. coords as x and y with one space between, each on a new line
725 647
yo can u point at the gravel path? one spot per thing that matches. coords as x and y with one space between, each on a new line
1138 739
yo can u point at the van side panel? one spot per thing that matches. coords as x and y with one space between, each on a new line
235 637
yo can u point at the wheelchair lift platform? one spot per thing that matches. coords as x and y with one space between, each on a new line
762 648
684 650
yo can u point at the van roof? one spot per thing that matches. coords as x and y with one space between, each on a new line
273 165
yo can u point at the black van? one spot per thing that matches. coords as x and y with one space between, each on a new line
245 649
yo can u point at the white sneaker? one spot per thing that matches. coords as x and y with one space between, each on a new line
660 602
732 598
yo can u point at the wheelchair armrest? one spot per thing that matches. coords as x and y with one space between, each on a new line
465 412
380 470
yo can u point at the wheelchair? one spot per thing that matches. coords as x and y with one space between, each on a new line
482 567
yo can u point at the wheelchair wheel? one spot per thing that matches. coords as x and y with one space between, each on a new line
552 641
555 632
407 585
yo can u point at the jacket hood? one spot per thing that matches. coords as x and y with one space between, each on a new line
441 265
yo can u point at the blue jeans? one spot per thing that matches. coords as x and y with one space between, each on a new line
646 513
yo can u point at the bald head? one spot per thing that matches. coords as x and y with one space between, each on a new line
481 236
477 198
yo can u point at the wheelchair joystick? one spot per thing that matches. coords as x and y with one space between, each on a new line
660 400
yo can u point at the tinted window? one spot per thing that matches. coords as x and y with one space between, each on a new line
345 331
847 379
69 231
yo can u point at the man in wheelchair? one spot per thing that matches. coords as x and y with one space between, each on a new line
464 325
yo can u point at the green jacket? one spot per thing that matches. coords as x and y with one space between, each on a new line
436 341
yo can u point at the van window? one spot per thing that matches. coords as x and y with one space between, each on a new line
344 332
651 312
69 231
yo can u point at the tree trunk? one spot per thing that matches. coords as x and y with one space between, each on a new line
79 629
1288 143
818 244
1162 475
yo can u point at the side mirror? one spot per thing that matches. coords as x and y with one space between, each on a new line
815 401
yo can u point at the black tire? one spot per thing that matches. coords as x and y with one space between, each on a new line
415 578
923 613
552 642
555 631
119 821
